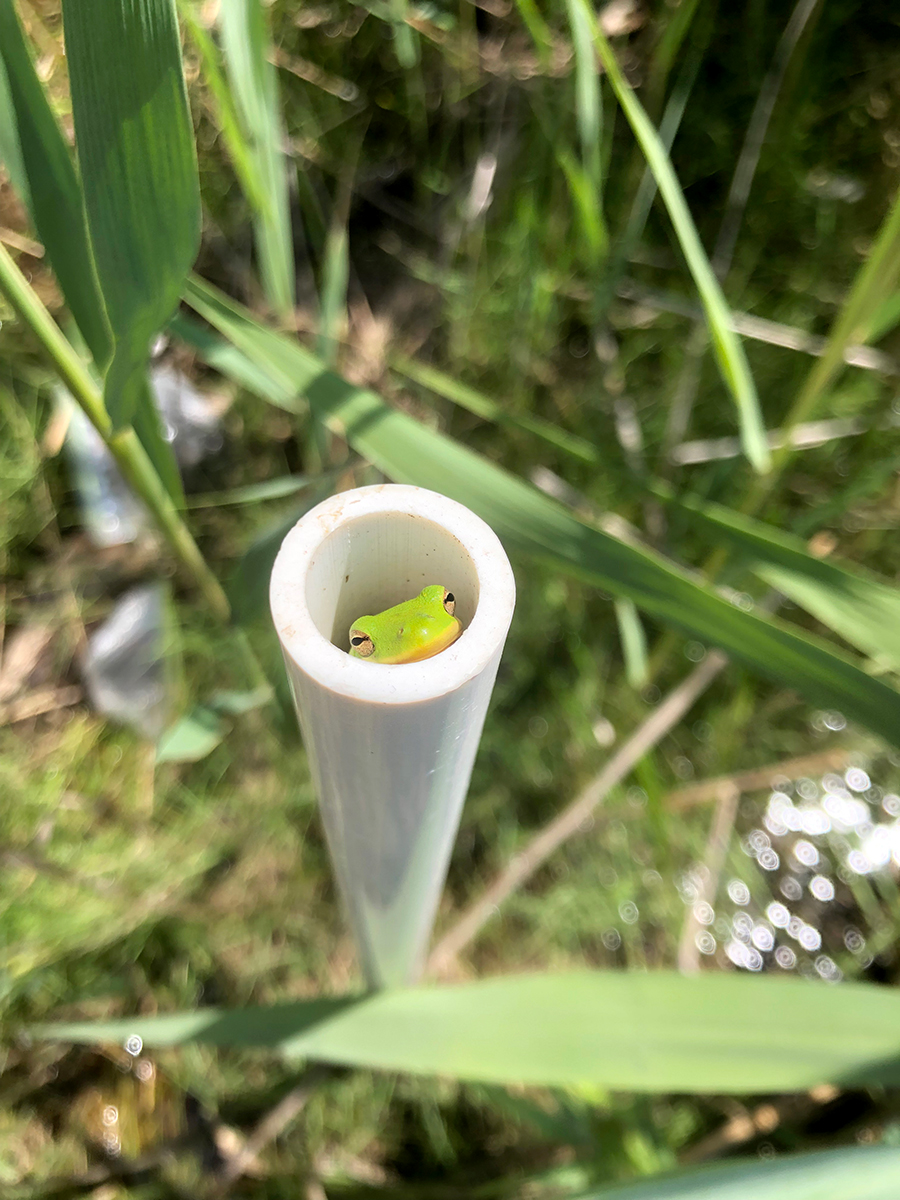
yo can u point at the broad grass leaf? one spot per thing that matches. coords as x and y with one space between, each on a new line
233 361
138 171
857 605
53 192
408 452
851 1173
148 425
885 317
639 1031
10 150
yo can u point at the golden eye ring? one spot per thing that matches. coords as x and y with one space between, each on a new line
362 643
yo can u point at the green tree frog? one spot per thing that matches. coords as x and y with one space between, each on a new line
408 632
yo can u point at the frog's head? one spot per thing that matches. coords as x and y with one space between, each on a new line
408 632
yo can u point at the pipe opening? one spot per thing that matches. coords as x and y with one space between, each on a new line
380 559
365 550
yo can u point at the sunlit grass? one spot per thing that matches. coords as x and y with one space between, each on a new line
208 883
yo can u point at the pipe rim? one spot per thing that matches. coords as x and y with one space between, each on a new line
383 683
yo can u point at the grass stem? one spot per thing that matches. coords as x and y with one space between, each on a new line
126 449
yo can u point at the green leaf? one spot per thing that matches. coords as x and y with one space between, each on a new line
230 361
541 33
856 1173
268 355
239 149
53 193
671 122
139 173
634 643
198 732
885 317
857 605
408 452
476 402
675 29
589 118
586 200
728 348
235 704
635 1031
254 86
261 1026
860 314
10 150
333 304
192 737
148 425
253 493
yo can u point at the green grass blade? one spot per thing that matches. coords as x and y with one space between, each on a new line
262 1026
333 304
885 318
634 643
272 354
669 126
239 149
857 605
148 426
677 24
541 33
588 105
627 243
254 85
875 283
139 173
253 493
406 44
729 352
408 452
53 191
851 1173
230 360
653 1032
586 200
476 402
10 150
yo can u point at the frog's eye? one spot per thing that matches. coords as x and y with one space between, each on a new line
449 603
361 643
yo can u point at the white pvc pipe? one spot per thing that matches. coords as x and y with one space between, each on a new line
391 747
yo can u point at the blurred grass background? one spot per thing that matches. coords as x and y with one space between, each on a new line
436 156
